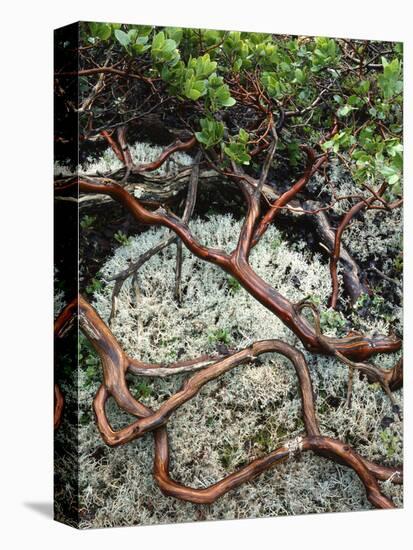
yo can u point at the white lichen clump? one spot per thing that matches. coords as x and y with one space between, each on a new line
141 153
244 414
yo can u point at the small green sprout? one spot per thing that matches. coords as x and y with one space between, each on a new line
94 286
87 221
121 237
142 390
220 335
233 284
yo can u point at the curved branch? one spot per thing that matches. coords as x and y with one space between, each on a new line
166 153
313 165
362 205
138 368
351 273
393 376
65 318
356 347
193 385
253 200
158 217
324 446
114 363
115 147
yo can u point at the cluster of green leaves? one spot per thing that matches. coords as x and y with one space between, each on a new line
101 32
375 146
135 41
164 50
197 78
202 66
390 81
237 149
331 319
325 54
192 79
95 285
212 132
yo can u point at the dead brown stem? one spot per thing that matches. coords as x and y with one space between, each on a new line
336 251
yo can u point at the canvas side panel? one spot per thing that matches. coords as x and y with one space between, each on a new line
66 236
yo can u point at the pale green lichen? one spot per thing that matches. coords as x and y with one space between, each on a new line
243 414
141 152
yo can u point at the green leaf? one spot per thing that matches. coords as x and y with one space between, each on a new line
164 50
158 41
390 82
202 66
236 150
236 66
327 145
105 31
218 93
193 94
211 37
299 76
237 153
168 46
228 102
243 136
122 37
344 111
364 87
175 33
101 30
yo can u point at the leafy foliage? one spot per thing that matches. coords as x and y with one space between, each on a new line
237 148
212 132
121 237
216 76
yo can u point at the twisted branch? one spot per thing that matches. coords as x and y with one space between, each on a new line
362 205
355 347
388 379
115 364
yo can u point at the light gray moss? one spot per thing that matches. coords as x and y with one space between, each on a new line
246 412
141 152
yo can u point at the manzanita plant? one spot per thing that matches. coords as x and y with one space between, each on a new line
308 79
264 114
